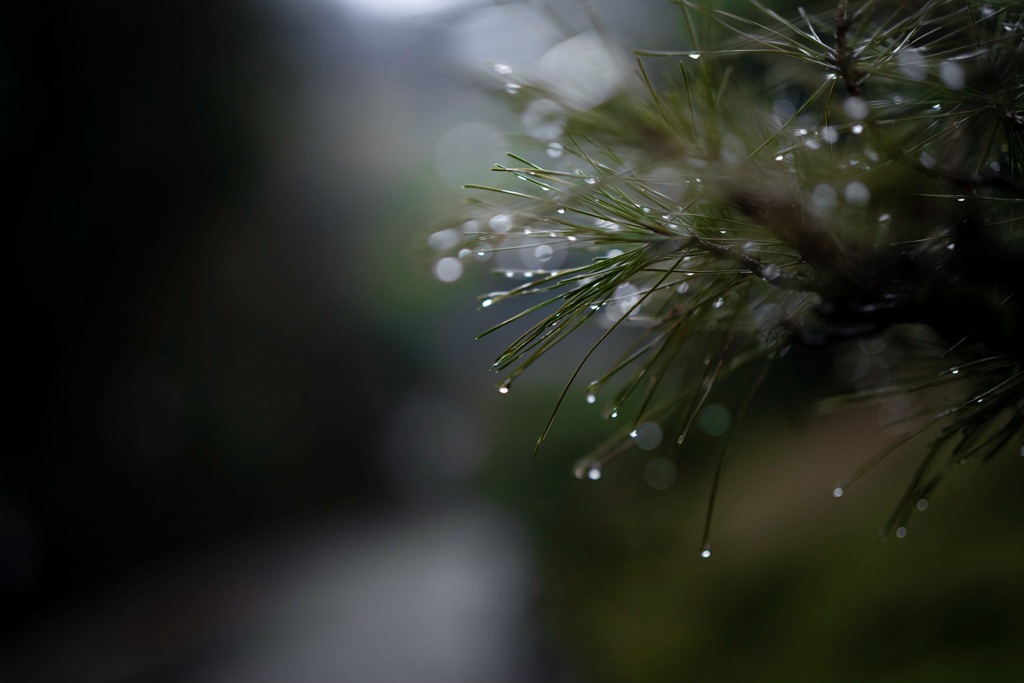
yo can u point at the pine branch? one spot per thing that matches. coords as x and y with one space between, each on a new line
853 173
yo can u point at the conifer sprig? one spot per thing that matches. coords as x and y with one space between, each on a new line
855 173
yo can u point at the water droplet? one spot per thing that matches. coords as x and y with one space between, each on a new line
613 253
500 223
857 129
448 269
443 240
706 552
936 107
594 473
503 69
830 134
952 74
555 150
884 218
955 371
615 413
857 193
714 420
683 287
771 272
591 181
560 210
922 504
901 532
719 302
660 473
648 435
571 238
779 157
543 253
486 302
961 199
591 399
512 88
951 246
856 108
838 492
913 64
694 55
504 386
824 197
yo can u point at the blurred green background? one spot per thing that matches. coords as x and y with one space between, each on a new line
256 440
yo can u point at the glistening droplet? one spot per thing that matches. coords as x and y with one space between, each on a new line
706 551
838 492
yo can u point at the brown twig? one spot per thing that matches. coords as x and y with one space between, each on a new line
844 58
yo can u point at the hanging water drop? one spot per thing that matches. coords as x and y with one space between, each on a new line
922 504
694 55
504 386
901 532
838 492
591 399
594 473
486 302
591 181
706 551
543 253
448 269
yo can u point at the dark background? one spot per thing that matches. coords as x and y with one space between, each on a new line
183 368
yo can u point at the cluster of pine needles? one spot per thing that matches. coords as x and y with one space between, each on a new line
843 175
